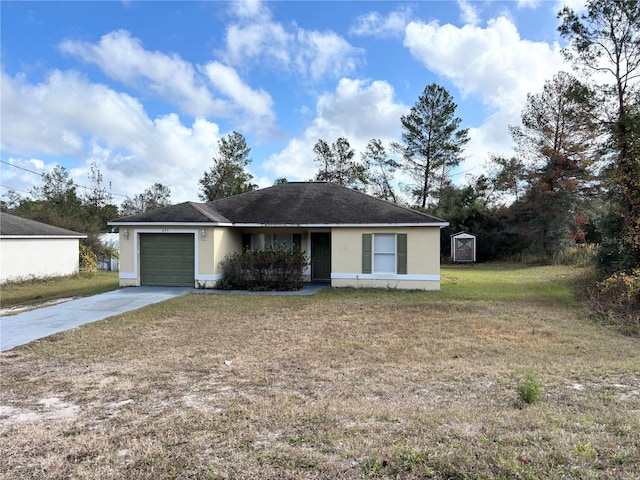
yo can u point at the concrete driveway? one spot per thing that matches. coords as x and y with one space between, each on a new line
39 323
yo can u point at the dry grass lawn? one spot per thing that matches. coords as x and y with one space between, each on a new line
345 384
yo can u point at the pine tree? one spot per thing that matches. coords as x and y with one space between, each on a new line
432 141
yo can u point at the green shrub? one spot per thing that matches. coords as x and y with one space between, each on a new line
580 255
278 268
617 298
529 390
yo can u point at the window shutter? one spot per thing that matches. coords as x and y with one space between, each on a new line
401 245
366 253
297 242
246 242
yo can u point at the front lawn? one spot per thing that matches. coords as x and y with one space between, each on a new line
344 384
38 291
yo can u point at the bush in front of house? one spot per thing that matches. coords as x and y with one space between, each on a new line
278 268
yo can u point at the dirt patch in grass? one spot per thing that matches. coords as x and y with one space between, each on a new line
346 384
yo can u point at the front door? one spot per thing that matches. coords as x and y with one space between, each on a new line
321 256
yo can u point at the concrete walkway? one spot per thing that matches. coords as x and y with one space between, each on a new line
39 323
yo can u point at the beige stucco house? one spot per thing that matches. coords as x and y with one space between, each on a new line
350 238
30 249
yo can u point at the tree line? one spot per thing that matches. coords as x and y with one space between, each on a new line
575 175
574 178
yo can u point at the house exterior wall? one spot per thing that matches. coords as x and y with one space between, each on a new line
423 259
423 254
22 258
226 241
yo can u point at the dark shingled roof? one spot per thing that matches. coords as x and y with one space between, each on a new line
10 225
294 203
187 212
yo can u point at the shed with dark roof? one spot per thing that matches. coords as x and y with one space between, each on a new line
351 239
30 249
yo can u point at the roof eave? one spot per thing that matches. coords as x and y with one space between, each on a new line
339 225
170 224
23 236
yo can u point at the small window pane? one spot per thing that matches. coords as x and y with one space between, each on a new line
384 263
384 243
283 239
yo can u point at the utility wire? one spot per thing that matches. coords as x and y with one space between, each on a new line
40 174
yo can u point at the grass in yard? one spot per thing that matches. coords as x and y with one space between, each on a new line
346 384
33 292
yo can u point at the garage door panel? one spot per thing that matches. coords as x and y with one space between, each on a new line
167 259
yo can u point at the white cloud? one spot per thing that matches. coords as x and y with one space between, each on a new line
376 25
358 110
312 54
324 53
227 81
249 9
177 81
493 63
528 3
262 40
68 117
468 12
123 58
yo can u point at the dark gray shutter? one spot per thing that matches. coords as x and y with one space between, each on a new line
246 242
401 245
366 253
297 242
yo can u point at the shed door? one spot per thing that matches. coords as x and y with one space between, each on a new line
464 250
167 259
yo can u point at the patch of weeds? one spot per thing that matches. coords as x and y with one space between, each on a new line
412 460
529 390
372 466
586 451
607 396
295 440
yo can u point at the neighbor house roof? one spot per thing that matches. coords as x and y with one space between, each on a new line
290 204
18 227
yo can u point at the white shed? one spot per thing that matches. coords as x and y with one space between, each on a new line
30 249
463 247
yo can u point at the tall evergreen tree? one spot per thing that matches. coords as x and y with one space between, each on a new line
555 137
432 141
228 175
337 164
381 170
606 39
154 197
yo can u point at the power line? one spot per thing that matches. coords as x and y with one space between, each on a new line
12 188
41 174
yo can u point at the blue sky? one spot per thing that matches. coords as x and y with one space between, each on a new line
145 89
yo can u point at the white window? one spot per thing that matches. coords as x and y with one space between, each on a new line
384 253
266 241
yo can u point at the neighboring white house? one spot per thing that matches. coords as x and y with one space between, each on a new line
30 249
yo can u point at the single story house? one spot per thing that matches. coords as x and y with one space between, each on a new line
30 249
350 238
